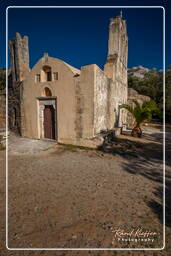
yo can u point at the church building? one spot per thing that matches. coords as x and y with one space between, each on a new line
56 101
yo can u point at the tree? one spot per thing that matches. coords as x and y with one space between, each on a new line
140 113
151 85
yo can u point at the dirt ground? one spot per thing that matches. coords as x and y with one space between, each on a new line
67 197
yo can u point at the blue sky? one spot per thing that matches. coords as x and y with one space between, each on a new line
79 36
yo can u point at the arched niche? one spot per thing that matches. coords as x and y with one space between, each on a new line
47 92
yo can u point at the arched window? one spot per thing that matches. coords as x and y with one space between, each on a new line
46 74
47 92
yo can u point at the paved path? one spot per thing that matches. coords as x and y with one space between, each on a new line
22 146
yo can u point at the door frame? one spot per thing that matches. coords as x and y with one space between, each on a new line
49 122
42 101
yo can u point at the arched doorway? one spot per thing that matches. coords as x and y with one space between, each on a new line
49 122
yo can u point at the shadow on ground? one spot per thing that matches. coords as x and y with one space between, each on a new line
145 158
158 207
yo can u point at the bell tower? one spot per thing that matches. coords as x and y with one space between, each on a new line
19 57
116 64
116 68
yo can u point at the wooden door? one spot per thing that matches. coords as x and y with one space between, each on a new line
49 122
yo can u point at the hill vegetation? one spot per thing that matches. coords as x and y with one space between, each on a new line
152 85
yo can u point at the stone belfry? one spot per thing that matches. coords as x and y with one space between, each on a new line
116 64
116 68
19 57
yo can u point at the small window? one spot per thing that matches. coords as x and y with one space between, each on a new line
55 76
37 78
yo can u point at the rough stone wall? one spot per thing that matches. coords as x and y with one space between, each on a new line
19 70
79 99
19 57
117 49
118 95
93 102
112 99
134 95
2 109
14 108
98 99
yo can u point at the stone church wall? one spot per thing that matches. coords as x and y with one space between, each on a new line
101 101
87 92
63 91
14 107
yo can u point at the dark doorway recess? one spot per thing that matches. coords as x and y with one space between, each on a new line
49 122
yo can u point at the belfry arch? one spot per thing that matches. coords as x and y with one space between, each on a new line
46 74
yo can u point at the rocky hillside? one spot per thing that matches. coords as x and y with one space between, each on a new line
138 71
